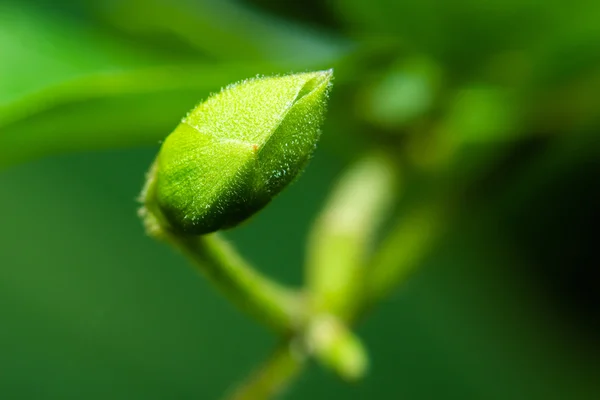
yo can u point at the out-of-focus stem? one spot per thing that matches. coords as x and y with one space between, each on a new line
404 248
274 376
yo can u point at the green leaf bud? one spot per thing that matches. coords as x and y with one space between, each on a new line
234 152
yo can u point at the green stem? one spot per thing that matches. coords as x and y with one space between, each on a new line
416 233
274 376
272 304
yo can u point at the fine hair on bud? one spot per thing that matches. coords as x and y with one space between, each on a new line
233 153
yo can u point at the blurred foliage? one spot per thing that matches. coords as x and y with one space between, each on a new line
489 109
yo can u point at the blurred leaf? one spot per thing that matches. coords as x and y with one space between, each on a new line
39 48
226 30
107 110
39 108
404 93
97 91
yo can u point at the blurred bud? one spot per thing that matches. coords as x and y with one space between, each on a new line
404 93
234 152
337 348
343 236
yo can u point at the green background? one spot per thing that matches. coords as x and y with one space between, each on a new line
504 305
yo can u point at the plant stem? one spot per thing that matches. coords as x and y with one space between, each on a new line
274 376
392 263
274 305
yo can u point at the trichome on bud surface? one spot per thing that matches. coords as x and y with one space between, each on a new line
234 152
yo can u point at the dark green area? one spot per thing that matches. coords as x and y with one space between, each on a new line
490 108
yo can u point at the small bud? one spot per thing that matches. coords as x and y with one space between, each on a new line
234 152
337 348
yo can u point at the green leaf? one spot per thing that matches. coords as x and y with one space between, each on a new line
233 153
59 94
106 110
99 91
38 50
226 30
